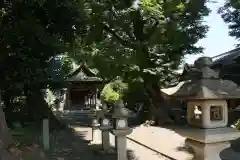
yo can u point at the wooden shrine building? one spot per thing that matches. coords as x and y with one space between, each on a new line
83 89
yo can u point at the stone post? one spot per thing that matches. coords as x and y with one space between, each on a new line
121 129
45 135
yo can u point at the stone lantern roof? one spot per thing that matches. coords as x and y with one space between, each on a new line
204 83
120 111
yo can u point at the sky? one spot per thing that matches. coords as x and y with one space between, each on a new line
217 41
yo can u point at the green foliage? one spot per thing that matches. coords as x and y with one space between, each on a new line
237 124
231 15
114 91
108 94
141 41
33 33
49 97
135 39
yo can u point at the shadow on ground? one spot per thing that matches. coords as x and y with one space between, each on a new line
232 152
71 145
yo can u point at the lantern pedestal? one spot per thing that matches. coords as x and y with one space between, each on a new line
121 145
95 127
208 143
105 138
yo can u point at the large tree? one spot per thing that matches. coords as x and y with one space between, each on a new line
142 40
32 33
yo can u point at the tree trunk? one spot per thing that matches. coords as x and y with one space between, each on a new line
5 140
39 109
8 109
159 109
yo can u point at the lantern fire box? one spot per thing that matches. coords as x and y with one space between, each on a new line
206 96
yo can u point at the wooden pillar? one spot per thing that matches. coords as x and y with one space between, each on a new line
89 102
85 102
96 104
92 102
68 97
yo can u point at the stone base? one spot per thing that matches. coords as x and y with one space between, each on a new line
105 128
207 151
209 143
209 135
110 151
123 132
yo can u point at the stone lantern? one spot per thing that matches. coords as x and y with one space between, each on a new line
105 128
207 110
95 124
120 129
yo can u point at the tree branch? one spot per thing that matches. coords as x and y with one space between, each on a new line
153 30
138 25
126 30
114 34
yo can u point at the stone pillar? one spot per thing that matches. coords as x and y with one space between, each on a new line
45 135
121 146
105 128
105 140
95 126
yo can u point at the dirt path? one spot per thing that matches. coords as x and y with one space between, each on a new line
163 140
138 152
66 145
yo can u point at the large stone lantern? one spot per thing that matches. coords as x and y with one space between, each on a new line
207 110
120 129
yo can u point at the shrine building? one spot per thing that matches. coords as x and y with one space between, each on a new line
83 89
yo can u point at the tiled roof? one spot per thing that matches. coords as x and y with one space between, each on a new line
83 73
226 58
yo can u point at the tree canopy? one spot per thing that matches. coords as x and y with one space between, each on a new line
142 40
135 38
32 33
230 13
